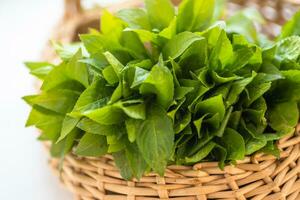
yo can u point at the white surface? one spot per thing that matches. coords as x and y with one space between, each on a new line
25 26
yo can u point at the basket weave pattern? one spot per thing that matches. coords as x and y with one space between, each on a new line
259 177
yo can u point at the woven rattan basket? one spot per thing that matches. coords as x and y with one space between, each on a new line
257 177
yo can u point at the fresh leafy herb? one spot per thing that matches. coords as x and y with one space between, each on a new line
156 88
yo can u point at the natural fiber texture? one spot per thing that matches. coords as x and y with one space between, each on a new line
257 177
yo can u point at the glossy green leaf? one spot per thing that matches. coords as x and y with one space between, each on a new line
162 19
212 105
63 147
136 18
93 127
234 144
194 14
39 69
155 138
60 101
68 125
159 82
292 27
91 145
178 44
201 154
283 115
71 70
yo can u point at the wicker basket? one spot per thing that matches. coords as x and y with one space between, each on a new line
257 177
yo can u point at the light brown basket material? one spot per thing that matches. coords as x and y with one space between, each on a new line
257 177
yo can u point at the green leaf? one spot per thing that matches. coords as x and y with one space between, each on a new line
130 162
132 128
212 106
201 154
194 15
169 31
288 49
39 69
159 82
110 75
136 161
254 144
145 35
136 18
157 18
114 62
173 111
272 149
240 58
117 94
221 53
60 101
234 144
56 77
292 27
47 121
198 124
68 125
117 144
91 145
123 164
95 96
93 127
223 125
220 79
180 92
111 26
257 88
115 113
283 115
72 70
133 109
237 88
66 51
94 43
140 75
242 24
195 56
220 153
183 122
97 62
156 138
179 43
63 147
213 32
291 76
107 115
132 43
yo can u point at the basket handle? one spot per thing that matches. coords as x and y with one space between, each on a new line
72 8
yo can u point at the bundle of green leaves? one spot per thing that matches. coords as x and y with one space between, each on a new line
165 85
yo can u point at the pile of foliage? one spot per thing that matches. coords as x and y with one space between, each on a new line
165 85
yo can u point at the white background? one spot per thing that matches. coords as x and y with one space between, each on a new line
25 26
